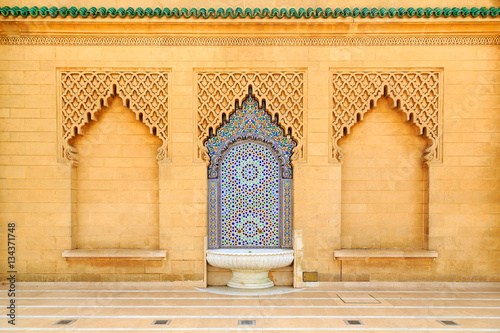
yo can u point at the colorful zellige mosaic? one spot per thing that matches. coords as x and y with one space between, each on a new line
249 190
249 119
250 197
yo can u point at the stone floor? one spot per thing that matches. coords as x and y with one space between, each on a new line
133 308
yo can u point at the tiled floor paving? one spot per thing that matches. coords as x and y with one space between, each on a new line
133 309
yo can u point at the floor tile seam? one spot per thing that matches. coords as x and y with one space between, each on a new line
249 313
242 298
248 302
330 306
248 307
252 316
297 291
221 329
440 299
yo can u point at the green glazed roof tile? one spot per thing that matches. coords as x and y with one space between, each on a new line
283 13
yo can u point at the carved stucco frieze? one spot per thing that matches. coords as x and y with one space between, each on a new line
416 92
83 93
252 41
217 91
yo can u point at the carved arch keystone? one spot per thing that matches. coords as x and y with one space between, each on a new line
416 92
217 91
83 93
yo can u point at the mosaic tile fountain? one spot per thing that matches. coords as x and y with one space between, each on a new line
250 196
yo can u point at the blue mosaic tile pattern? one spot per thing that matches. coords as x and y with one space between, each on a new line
287 213
212 211
250 197
250 181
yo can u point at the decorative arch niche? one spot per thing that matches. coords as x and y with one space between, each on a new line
283 89
83 93
115 187
416 92
250 181
388 209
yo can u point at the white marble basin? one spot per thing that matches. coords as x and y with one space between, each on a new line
250 266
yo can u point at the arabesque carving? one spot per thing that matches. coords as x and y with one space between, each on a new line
252 41
415 92
282 90
84 93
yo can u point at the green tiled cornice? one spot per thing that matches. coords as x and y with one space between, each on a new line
248 12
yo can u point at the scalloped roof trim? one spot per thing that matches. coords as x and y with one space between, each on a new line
283 13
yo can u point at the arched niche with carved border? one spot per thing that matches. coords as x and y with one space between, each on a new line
416 92
84 92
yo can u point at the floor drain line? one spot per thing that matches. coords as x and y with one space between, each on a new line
246 323
64 322
161 322
350 322
448 323
366 300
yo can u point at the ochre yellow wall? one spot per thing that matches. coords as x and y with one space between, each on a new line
116 183
36 191
384 183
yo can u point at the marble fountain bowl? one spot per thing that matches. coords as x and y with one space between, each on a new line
250 266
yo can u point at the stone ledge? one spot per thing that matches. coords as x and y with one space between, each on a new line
116 254
353 254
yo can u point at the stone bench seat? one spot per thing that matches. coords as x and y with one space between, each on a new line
356 254
114 254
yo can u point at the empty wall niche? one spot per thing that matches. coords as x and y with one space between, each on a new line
384 182
116 199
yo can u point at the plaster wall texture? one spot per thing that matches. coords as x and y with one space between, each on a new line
38 193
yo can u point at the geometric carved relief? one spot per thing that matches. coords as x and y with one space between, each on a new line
217 91
417 93
245 41
83 93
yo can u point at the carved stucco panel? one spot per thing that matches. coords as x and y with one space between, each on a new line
283 90
416 92
83 93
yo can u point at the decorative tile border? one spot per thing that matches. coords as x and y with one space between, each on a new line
213 239
287 214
